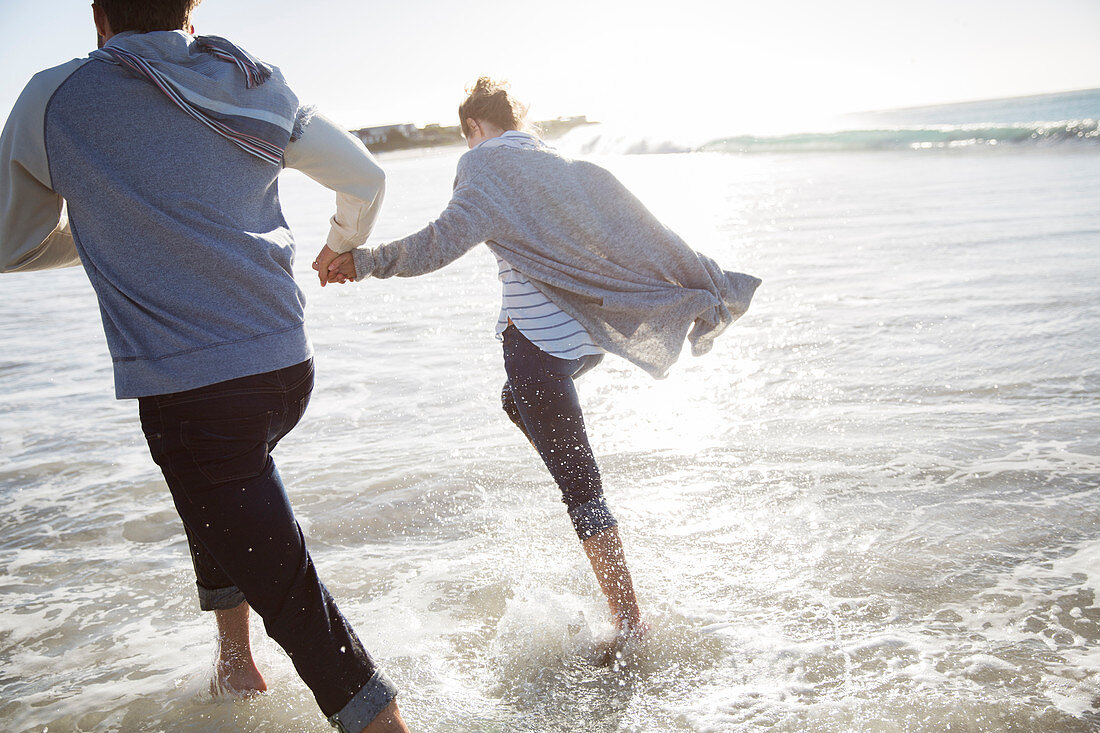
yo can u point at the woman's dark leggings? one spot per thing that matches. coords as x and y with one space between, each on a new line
542 401
213 445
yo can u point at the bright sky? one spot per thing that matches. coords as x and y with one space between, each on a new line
718 65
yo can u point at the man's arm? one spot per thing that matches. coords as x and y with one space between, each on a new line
338 160
34 228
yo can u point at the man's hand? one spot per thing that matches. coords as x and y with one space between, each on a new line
342 267
325 273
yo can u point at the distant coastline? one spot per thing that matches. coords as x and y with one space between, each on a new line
384 138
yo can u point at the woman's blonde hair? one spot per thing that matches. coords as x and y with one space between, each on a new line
491 101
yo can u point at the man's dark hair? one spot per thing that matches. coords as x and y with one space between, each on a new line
145 16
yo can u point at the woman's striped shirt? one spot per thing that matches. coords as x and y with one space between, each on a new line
544 324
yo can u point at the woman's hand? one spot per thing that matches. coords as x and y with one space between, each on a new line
332 267
342 268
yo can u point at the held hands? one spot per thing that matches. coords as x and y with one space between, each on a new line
334 268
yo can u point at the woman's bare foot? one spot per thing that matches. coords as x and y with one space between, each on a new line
619 650
631 631
235 671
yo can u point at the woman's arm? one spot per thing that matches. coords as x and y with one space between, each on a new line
466 222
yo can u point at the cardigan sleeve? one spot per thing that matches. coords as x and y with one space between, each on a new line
465 223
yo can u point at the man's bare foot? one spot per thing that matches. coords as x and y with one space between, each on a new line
237 678
235 671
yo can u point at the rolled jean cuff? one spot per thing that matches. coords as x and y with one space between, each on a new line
220 599
371 700
591 517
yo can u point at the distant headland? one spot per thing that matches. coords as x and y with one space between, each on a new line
402 137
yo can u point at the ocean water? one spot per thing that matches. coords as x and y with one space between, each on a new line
875 506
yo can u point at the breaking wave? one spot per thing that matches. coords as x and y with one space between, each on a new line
599 140
1076 132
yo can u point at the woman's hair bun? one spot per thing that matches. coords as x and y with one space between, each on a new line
485 86
490 100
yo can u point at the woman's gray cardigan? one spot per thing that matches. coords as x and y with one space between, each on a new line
586 242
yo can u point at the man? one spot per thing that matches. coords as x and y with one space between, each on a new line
153 162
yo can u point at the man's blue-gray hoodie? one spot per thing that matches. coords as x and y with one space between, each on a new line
180 231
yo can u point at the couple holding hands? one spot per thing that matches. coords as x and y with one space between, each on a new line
153 162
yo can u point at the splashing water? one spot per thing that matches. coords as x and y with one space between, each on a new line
872 507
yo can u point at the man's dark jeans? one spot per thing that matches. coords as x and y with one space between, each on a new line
213 445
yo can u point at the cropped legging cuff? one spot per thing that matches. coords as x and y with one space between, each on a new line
591 517
220 599
366 705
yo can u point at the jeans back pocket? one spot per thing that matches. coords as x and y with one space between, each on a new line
228 449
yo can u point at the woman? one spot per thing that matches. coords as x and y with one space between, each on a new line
585 269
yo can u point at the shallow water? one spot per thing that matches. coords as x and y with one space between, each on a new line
872 507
